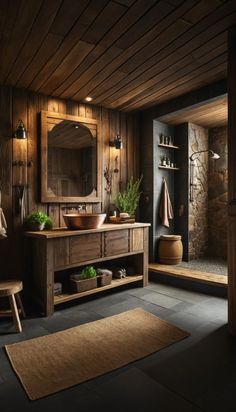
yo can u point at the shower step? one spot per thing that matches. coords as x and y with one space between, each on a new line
212 279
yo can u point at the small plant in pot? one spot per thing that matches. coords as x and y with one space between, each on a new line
128 200
36 221
85 280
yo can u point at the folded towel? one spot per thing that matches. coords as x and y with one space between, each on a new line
165 211
101 271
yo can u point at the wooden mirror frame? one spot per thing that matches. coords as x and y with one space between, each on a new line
45 198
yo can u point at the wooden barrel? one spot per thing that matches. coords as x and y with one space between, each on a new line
170 249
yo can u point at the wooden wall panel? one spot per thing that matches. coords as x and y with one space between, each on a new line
18 104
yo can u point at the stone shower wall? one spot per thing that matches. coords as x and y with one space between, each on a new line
218 194
198 209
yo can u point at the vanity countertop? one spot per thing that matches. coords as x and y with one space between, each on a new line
64 232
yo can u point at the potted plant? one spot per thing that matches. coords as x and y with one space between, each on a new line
128 200
85 280
37 220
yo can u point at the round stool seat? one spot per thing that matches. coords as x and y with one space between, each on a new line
10 287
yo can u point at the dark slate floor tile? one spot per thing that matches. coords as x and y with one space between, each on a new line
134 388
190 371
161 300
179 293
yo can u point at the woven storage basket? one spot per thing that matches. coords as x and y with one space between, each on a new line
83 284
104 280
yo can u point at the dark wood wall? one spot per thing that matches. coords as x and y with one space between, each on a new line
21 104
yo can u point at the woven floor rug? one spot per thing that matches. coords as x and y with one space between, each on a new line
50 363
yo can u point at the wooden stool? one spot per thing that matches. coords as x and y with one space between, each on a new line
11 288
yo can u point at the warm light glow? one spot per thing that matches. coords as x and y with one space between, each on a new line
88 99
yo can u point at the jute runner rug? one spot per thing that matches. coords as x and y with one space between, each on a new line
48 364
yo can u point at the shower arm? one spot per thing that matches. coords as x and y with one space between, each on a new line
201 151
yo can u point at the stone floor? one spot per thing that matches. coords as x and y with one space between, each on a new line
196 374
207 264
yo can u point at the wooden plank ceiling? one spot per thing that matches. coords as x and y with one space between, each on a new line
125 54
209 114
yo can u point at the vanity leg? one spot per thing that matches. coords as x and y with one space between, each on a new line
145 255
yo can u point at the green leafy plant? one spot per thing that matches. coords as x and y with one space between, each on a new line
48 224
128 200
38 220
88 272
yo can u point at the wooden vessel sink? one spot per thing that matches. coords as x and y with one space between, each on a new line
84 220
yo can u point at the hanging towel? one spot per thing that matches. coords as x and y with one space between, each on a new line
22 204
166 211
3 223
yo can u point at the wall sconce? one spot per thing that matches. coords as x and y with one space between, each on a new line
117 142
20 132
212 154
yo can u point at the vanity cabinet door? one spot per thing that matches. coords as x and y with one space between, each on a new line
85 247
137 242
116 242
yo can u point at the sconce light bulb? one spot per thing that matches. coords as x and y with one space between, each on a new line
20 132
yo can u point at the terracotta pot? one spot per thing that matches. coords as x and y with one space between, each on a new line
170 249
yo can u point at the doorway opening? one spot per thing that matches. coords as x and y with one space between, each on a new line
199 192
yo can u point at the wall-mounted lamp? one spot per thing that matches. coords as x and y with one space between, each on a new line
212 154
117 142
20 132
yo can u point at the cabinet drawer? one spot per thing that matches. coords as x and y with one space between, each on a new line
116 242
85 247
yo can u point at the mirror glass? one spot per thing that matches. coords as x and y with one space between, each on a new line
71 158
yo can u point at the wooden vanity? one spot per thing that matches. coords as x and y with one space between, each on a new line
51 253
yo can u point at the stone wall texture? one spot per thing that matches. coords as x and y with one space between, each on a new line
218 194
198 208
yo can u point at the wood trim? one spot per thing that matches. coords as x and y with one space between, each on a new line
45 198
58 233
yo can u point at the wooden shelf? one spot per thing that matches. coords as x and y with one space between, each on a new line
169 146
66 297
168 168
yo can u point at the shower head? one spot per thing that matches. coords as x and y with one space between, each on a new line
213 154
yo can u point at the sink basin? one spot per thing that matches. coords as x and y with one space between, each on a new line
84 220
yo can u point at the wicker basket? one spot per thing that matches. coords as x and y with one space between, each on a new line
81 285
104 279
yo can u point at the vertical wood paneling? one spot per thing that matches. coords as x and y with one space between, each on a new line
6 176
123 152
106 154
32 146
26 105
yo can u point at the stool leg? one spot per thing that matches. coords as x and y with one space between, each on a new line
19 301
15 313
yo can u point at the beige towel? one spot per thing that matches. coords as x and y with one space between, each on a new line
3 225
166 211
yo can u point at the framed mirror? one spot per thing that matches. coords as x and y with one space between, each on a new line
70 159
